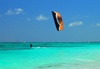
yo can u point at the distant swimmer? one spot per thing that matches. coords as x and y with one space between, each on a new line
30 45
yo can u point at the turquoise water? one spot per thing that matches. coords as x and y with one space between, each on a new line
50 56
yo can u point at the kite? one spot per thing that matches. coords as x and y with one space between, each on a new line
58 20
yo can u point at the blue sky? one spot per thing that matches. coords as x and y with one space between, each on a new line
32 21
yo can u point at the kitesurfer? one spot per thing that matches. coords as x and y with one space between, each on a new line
30 45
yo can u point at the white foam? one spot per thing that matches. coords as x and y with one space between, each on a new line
37 47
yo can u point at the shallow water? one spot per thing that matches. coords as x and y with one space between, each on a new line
50 56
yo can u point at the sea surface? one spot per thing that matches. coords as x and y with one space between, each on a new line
49 55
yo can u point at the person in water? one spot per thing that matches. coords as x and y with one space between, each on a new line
30 45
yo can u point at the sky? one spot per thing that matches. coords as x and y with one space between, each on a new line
32 20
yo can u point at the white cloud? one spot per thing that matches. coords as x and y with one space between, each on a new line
9 12
16 11
19 10
28 19
76 23
98 24
41 17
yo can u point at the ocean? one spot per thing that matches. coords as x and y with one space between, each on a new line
49 55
